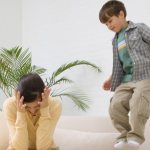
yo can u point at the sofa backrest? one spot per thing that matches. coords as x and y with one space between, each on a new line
86 123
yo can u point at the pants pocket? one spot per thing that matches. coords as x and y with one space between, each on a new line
144 105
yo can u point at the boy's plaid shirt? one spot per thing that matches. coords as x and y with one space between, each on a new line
137 38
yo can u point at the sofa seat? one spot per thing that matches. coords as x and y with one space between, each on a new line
80 133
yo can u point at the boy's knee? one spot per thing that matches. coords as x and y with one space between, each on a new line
115 105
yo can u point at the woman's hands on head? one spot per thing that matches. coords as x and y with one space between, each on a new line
45 96
21 106
19 100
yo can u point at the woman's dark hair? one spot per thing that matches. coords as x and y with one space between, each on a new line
30 86
111 8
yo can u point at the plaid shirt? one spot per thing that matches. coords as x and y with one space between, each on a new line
137 37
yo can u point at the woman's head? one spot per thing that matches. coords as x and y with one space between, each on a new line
30 86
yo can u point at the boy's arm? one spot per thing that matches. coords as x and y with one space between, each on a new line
47 123
110 78
107 83
145 32
17 126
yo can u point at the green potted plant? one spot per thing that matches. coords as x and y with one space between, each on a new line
16 62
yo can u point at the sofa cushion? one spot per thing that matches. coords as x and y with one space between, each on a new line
79 140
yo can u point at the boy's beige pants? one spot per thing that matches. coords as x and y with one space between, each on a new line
133 97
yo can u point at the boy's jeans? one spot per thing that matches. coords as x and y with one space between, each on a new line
133 97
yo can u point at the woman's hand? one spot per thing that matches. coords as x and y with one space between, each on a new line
20 106
45 96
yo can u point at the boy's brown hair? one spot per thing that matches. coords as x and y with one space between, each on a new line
111 8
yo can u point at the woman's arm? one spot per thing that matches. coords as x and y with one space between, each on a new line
17 125
47 123
50 113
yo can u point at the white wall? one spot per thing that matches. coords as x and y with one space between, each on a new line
58 31
64 30
10 23
10 27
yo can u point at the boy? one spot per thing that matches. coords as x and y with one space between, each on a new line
130 77
32 115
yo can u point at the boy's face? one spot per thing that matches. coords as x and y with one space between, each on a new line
116 23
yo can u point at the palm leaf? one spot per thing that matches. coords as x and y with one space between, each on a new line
67 66
80 99
4 75
16 63
19 62
38 70
50 82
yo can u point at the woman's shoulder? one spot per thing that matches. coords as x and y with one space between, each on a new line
9 103
55 102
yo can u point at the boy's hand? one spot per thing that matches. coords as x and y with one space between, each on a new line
19 100
45 96
106 85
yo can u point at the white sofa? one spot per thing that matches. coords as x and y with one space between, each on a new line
80 133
